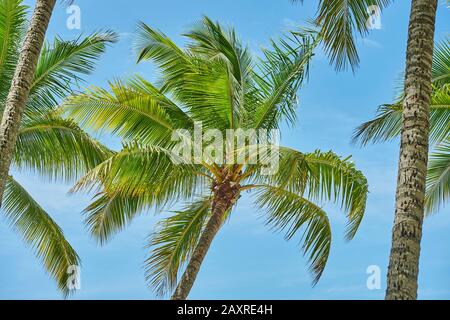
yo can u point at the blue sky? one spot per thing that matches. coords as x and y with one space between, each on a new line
246 260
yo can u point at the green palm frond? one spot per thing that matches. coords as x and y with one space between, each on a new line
284 68
12 25
322 176
40 232
212 43
173 243
136 178
441 63
438 178
61 65
111 212
288 212
215 81
57 148
340 22
130 111
387 124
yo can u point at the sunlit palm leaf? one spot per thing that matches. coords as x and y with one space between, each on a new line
134 179
340 21
40 232
387 124
57 149
438 178
130 111
12 25
61 65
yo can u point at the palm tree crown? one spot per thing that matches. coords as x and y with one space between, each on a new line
215 81
47 144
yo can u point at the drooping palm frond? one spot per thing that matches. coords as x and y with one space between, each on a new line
12 25
47 144
40 232
210 42
173 243
441 63
288 212
136 178
57 148
284 68
340 22
438 178
61 65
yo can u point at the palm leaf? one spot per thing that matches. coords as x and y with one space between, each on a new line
340 22
289 212
12 25
173 243
40 232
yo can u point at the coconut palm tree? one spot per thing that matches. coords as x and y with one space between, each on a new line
47 144
213 84
338 22
387 126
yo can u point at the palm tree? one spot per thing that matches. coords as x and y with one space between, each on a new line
338 20
46 143
387 126
22 80
215 82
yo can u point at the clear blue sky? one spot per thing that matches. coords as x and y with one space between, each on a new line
247 261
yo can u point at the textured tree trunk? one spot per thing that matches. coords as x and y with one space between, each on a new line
409 211
20 86
224 198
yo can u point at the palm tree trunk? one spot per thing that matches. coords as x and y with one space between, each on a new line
20 86
224 198
409 211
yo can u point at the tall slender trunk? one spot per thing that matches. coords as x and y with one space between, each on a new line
409 211
20 86
224 198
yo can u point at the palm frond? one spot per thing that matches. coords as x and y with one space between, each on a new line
12 25
135 179
135 111
61 65
152 44
284 68
441 63
40 232
173 243
57 149
322 176
340 21
438 178
288 212
387 124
